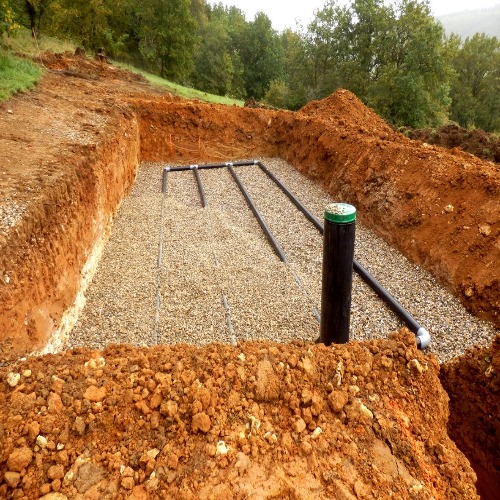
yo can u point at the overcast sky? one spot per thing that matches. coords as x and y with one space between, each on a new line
283 13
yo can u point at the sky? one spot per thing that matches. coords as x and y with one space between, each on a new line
283 13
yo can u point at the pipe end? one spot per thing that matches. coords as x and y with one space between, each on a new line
423 338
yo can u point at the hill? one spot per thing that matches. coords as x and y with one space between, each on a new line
468 22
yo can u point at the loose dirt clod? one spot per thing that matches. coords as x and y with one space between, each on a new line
191 422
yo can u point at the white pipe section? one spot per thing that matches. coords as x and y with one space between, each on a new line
424 337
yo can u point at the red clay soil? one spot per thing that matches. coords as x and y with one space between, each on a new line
473 383
260 420
73 144
477 142
147 422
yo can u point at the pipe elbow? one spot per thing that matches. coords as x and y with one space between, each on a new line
423 338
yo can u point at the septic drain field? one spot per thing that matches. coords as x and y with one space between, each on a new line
220 280
156 387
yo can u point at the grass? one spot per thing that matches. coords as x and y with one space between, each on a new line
187 92
23 43
16 75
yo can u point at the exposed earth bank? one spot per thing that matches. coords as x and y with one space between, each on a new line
145 422
259 420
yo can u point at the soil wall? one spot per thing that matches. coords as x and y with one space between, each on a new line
439 208
45 254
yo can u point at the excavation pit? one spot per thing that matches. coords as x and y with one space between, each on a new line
84 421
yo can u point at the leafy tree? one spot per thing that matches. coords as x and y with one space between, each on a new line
328 49
167 36
412 85
261 54
476 88
30 13
7 22
213 64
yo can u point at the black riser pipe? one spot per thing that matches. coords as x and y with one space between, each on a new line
258 216
423 338
338 254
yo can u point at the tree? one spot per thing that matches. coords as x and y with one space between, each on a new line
476 89
32 11
412 86
7 23
261 54
167 36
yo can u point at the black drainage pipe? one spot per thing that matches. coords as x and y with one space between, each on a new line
423 337
242 163
258 216
200 186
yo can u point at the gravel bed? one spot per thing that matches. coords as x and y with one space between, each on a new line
120 305
220 253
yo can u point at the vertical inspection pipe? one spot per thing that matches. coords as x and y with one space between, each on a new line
338 256
166 170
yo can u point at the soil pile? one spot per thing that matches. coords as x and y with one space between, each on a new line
477 142
80 67
473 384
366 420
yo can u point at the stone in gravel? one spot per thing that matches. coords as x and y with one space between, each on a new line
88 475
337 400
19 459
267 384
54 496
128 483
79 426
12 479
299 425
41 441
33 430
56 472
54 403
202 422
95 394
242 462
13 378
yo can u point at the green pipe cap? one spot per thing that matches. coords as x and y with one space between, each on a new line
340 213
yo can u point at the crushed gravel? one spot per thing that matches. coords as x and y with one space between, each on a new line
219 279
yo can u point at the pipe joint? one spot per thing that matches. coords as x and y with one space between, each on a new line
229 164
256 162
423 338
166 169
193 167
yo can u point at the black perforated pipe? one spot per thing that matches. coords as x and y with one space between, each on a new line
258 216
423 337
200 187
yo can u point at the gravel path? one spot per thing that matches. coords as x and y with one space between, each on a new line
219 279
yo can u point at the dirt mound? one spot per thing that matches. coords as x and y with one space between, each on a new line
473 384
477 142
79 66
256 420
344 109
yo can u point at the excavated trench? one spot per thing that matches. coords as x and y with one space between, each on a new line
439 209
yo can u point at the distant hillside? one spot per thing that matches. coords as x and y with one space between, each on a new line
468 22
